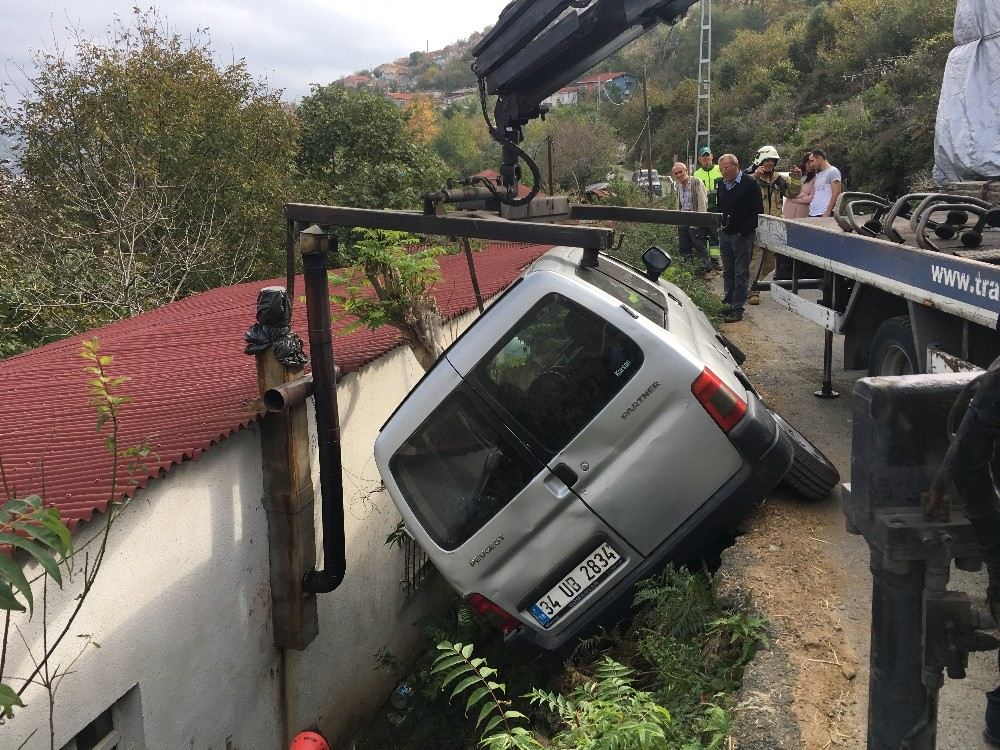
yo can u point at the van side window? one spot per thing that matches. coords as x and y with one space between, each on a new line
557 368
458 470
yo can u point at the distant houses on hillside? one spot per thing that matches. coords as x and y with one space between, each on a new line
392 79
615 87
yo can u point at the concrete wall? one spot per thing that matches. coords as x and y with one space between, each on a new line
179 619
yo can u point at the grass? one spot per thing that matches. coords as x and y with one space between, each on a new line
682 646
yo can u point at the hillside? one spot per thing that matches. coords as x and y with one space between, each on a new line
860 78
445 69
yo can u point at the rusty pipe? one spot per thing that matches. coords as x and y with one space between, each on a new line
314 243
288 394
293 392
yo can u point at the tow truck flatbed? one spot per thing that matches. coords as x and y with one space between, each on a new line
946 302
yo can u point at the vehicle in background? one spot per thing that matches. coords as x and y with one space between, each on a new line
641 178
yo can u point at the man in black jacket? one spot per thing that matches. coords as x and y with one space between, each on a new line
740 203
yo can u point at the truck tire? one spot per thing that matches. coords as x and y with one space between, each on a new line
893 351
812 475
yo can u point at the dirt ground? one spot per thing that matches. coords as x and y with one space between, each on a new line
810 577
808 690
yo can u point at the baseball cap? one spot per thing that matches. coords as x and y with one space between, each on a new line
704 151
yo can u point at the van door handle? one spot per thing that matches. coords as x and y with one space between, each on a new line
566 474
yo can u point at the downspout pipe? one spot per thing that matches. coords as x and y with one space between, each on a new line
315 244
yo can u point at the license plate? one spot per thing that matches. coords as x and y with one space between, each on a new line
571 589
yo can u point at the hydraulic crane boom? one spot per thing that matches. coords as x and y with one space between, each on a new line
539 46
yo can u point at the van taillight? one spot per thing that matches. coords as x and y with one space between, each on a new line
494 615
719 400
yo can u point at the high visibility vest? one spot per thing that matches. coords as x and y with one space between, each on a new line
708 178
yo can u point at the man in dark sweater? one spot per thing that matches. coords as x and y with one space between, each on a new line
740 203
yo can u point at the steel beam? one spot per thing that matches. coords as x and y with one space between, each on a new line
585 212
451 225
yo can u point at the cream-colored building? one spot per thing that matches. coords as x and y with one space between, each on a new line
174 647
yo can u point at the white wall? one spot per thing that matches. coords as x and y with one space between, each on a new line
181 607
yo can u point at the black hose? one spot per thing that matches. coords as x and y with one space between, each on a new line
496 135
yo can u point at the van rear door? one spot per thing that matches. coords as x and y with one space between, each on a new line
489 513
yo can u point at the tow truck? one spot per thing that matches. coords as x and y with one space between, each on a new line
913 285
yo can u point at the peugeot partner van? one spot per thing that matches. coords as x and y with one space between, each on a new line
590 427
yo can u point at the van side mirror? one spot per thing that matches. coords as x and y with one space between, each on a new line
656 262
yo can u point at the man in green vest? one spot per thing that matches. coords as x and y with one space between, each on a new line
709 174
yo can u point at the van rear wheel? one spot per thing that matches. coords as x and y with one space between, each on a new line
812 475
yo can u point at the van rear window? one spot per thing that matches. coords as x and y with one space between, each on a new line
459 469
557 369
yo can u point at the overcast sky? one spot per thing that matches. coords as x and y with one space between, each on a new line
291 43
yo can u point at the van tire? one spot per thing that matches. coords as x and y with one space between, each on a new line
893 351
812 475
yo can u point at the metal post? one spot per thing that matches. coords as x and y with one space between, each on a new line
829 300
314 243
897 698
548 143
649 137
472 274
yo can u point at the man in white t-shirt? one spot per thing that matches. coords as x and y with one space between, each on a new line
828 184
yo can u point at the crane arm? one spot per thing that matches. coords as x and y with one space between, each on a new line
539 46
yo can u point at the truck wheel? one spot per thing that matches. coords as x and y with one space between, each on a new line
893 351
812 475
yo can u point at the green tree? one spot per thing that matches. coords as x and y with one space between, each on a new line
146 173
390 284
585 146
464 143
355 150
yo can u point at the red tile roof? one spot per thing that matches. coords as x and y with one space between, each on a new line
190 383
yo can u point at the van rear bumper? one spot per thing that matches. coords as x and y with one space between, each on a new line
767 456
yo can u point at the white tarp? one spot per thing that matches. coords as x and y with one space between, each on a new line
967 136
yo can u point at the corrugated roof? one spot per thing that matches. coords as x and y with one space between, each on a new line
190 382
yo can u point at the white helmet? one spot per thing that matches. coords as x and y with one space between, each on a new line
766 152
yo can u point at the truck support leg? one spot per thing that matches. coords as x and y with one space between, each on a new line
897 697
829 300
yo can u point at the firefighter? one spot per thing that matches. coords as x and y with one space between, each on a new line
773 189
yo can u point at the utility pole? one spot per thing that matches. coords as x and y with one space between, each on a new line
649 136
703 104
548 145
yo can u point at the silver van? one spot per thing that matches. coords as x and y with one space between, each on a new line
588 428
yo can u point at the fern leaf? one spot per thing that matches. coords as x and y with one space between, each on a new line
447 661
464 685
475 697
491 725
459 671
485 711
